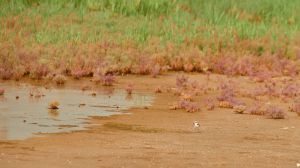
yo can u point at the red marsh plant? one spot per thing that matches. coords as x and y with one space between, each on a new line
158 90
129 88
108 79
210 103
2 91
155 71
270 88
40 71
256 109
295 107
6 74
227 97
275 112
187 105
78 73
290 90
182 81
59 79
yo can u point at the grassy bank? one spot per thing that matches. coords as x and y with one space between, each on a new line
131 36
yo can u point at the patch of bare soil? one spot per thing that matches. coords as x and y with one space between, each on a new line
156 136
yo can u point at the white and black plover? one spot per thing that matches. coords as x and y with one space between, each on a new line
196 125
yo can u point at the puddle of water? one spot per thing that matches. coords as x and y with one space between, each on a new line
27 116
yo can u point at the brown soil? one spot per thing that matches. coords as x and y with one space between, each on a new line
159 137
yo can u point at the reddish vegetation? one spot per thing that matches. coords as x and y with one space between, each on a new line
158 90
295 107
2 91
60 79
108 80
275 112
129 89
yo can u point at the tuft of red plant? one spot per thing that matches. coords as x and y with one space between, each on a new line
108 79
59 79
78 73
40 71
209 103
262 75
188 106
2 91
155 71
227 95
6 74
290 90
295 107
129 88
182 81
256 109
158 90
275 112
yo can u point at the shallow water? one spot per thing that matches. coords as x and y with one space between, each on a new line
29 115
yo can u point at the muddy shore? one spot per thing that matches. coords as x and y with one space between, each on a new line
156 136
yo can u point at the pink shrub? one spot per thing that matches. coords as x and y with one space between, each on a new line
6 74
188 106
296 107
2 91
275 112
256 109
227 92
210 103
262 75
290 90
79 73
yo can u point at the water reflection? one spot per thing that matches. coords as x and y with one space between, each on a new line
24 117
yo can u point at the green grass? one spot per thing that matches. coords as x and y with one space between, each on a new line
61 21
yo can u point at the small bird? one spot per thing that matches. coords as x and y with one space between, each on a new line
196 125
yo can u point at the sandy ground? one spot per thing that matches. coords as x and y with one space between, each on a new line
159 137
